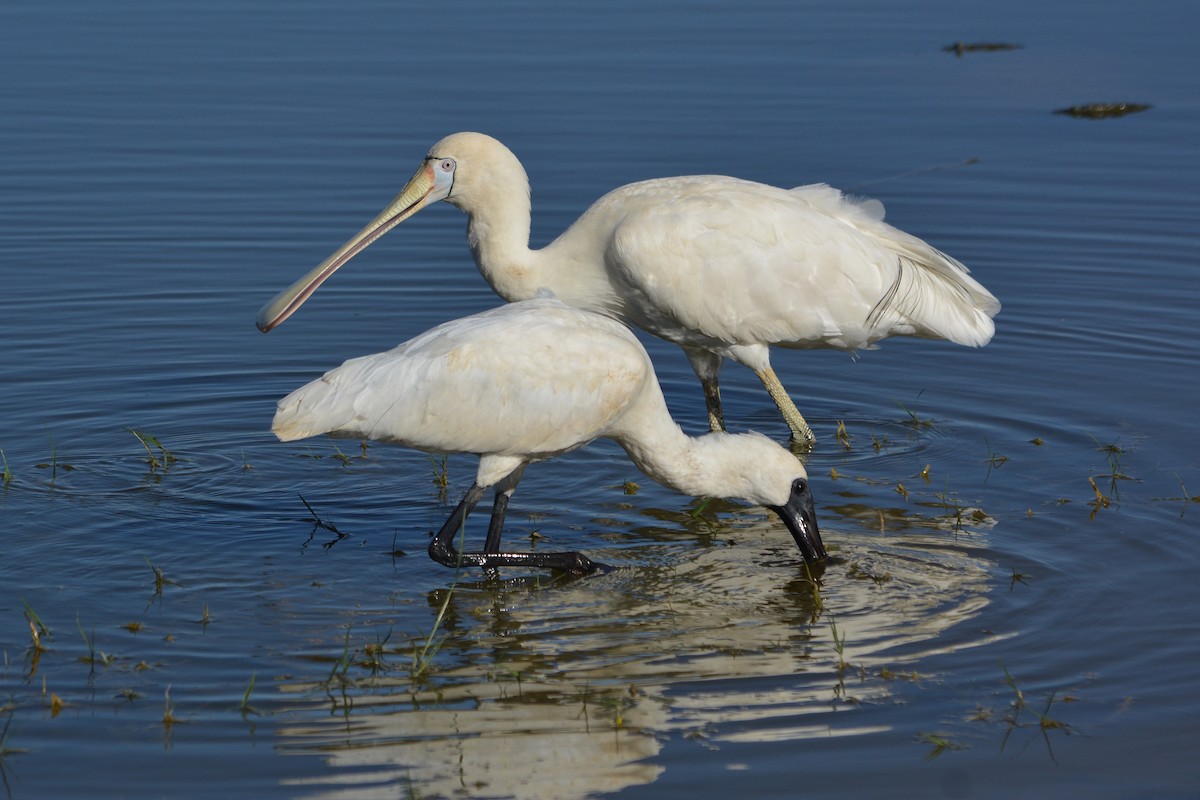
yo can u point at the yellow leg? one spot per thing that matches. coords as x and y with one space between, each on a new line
791 415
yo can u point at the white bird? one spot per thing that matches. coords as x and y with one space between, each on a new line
722 267
525 382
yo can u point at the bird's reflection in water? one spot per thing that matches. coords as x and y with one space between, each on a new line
565 689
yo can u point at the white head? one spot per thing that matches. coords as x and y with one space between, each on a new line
469 166
751 467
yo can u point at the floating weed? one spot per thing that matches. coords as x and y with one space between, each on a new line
1018 577
374 653
925 473
1037 441
320 523
839 646
878 443
341 457
246 465
951 504
205 616
160 580
914 420
888 674
708 520
630 487
698 511
611 703
93 657
834 474
814 587
396 552
859 573
341 666
1018 696
980 714
245 706
940 743
440 477
1103 110
994 461
54 465
6 749
842 437
1184 497
133 627
616 704
169 718
959 48
37 628
902 490
165 457
1101 501
1112 455
7 475
1044 722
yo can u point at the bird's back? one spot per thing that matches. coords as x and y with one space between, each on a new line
715 259
531 379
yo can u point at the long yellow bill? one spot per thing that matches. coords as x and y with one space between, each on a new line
427 186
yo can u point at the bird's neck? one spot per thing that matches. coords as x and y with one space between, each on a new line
571 267
498 235
712 465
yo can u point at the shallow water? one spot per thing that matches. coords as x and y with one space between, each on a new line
168 168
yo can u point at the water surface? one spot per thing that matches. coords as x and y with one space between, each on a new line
991 624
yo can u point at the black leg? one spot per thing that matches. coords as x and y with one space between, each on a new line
443 551
576 563
496 526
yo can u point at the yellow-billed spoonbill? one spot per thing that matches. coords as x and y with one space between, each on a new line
722 267
526 382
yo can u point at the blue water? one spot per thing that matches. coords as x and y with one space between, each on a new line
167 167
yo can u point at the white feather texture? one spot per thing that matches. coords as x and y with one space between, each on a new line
723 267
525 382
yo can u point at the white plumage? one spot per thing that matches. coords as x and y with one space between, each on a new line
721 266
526 382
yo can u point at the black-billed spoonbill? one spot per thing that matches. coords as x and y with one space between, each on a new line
722 267
526 382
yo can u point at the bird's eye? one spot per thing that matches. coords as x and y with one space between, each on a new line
446 165
799 486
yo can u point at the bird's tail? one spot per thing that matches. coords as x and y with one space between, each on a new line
940 299
299 415
934 292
